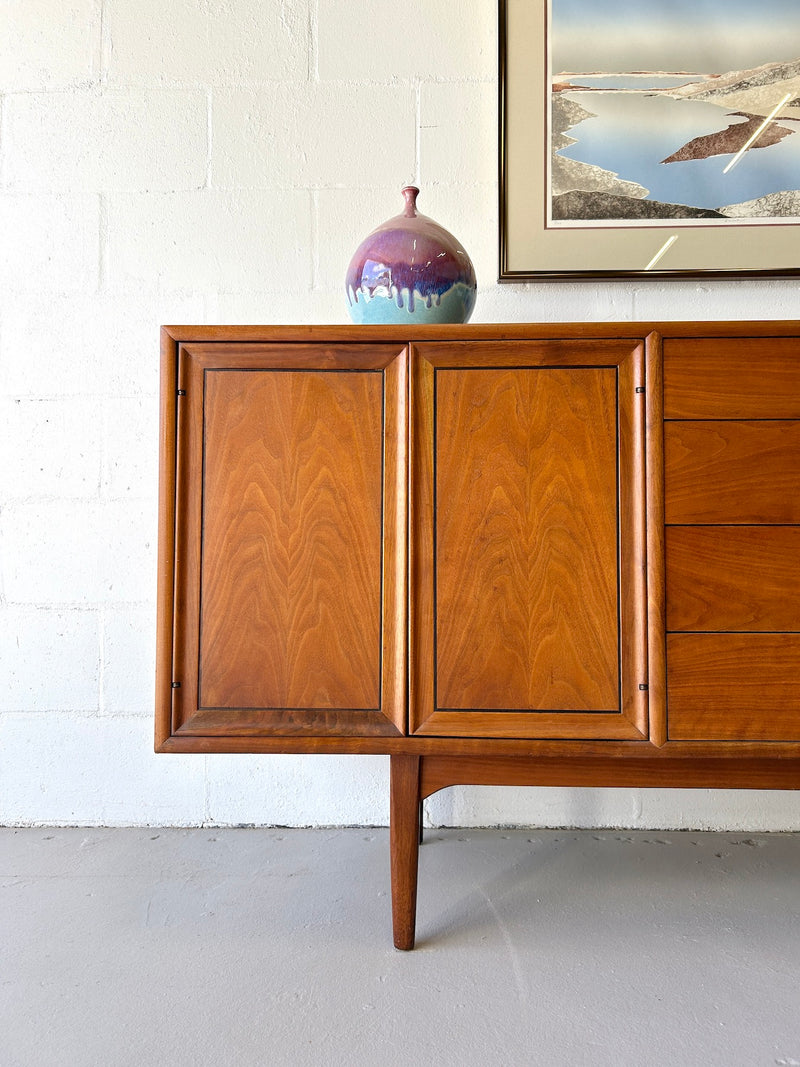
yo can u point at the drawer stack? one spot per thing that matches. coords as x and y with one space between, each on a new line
732 511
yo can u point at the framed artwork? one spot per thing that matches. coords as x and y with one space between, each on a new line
649 137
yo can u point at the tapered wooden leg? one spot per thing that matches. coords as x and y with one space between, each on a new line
404 844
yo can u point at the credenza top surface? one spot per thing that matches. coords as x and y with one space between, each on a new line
479 331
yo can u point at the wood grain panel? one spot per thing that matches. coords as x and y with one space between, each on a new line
732 472
654 528
526 505
607 755
401 333
733 577
732 378
508 477
733 687
440 772
292 515
290 589
165 599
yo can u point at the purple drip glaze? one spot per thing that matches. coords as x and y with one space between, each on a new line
409 255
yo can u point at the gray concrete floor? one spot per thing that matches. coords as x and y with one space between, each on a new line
250 947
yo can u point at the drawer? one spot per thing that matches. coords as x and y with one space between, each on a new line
732 378
733 687
733 577
732 472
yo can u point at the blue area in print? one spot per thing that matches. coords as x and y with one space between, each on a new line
631 133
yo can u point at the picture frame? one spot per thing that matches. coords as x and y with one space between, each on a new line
554 224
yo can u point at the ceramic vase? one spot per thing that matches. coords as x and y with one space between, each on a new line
410 268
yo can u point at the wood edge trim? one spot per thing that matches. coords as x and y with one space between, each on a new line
368 725
166 539
457 724
632 547
442 772
454 351
395 334
421 562
772 753
272 354
656 579
395 572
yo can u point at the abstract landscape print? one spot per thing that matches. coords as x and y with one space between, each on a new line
673 112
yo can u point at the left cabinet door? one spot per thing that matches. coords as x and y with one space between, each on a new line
288 550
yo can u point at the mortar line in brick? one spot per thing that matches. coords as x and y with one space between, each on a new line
418 132
209 136
102 243
314 239
104 47
313 41
101 665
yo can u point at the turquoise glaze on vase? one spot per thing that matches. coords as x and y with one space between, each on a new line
410 267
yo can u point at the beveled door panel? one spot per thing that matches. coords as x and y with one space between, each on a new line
527 540
526 615
294 593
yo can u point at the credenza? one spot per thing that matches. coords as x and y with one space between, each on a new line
563 554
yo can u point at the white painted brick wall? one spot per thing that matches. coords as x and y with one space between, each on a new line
209 161
49 242
105 141
251 238
312 136
49 46
150 43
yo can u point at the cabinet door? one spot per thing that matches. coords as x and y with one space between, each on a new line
290 541
528 552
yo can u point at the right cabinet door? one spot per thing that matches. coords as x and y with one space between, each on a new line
527 540
732 509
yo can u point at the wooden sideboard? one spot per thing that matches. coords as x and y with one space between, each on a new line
525 554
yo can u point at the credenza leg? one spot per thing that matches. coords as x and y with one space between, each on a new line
404 845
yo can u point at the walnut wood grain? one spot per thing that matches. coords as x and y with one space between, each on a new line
293 624
397 333
733 577
292 504
526 480
732 378
633 772
654 528
732 472
165 595
516 599
404 834
607 756
733 687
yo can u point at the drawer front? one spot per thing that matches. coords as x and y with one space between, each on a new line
732 472
733 578
733 687
732 378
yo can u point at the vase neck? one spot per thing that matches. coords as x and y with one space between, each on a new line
410 193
